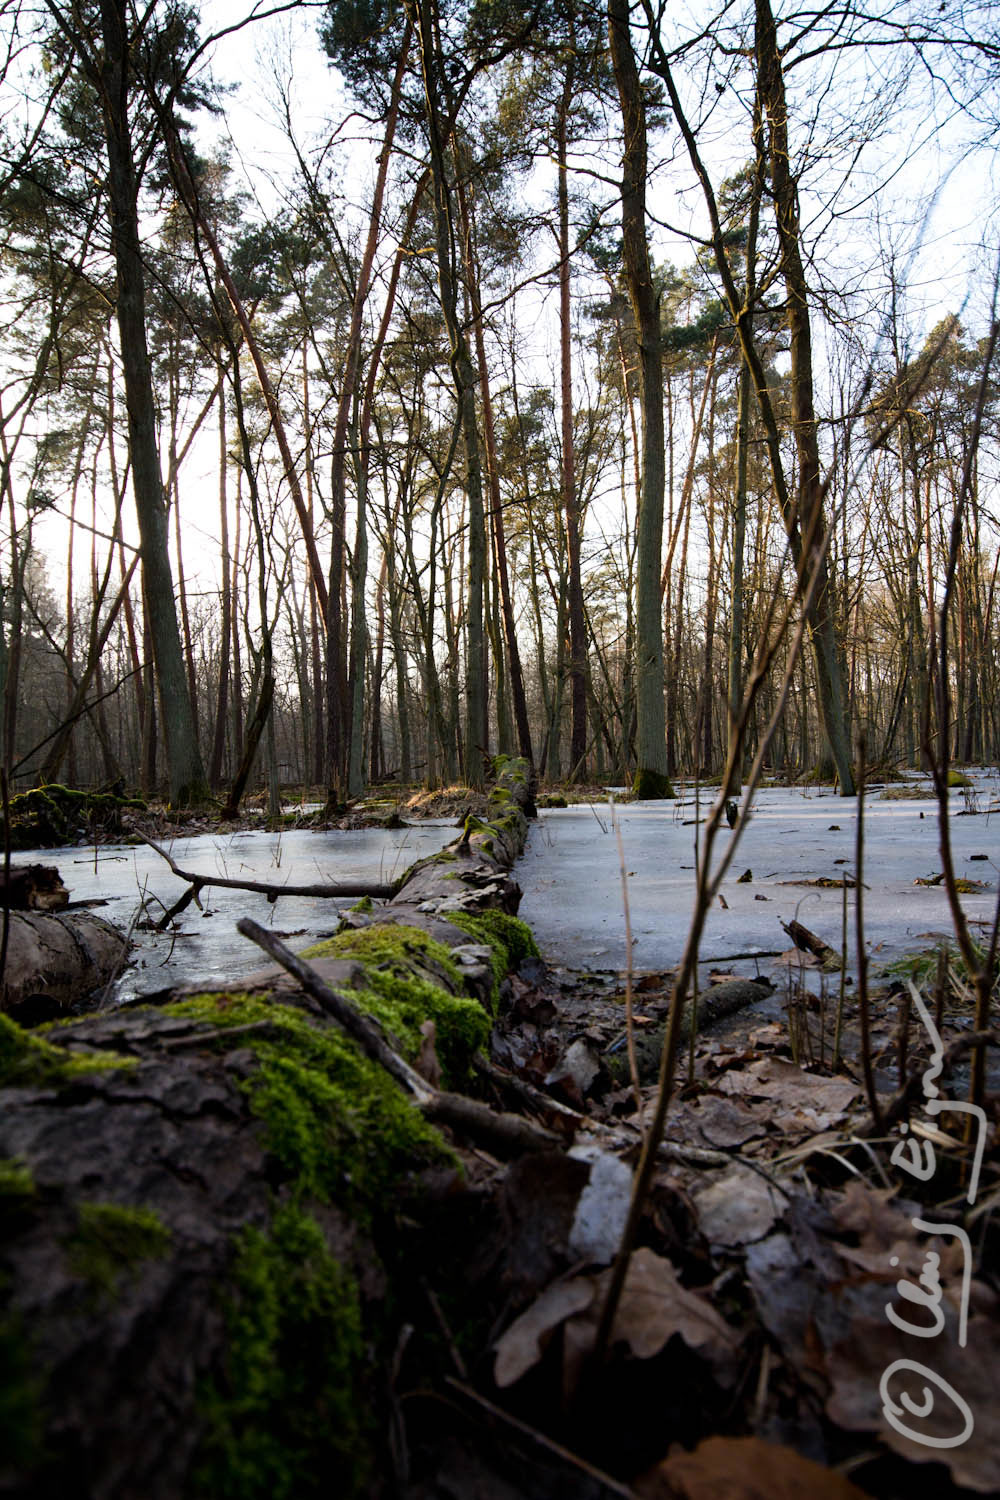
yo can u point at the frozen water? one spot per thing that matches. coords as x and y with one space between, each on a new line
571 876
207 948
572 885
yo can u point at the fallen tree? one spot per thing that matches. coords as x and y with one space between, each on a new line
206 1200
54 959
286 1240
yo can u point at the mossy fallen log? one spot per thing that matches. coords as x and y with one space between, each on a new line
191 1279
48 816
211 1208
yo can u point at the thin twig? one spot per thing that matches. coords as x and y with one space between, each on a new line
510 1133
614 1486
5 935
348 1017
864 1020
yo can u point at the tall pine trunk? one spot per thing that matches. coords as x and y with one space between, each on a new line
651 778
185 772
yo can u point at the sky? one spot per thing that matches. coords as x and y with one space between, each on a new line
937 214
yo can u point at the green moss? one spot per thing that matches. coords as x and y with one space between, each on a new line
959 779
392 944
50 815
474 824
337 1124
29 1061
365 905
651 786
510 939
510 768
284 1418
17 1186
110 1240
401 999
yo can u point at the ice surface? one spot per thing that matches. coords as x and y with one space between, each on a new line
571 877
572 881
207 947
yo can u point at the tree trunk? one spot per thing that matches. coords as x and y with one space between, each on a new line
651 778
519 700
464 375
829 683
570 497
226 619
186 775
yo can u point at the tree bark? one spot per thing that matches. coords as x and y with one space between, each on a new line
464 375
570 497
811 520
186 774
651 778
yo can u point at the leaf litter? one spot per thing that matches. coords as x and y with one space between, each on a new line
748 1351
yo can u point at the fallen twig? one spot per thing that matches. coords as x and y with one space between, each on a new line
330 890
364 1031
547 1444
507 1132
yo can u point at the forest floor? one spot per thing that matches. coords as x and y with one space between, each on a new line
795 1257
778 1231
782 1224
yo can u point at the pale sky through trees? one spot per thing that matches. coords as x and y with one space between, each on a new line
922 191
892 160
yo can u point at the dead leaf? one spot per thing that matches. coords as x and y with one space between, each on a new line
726 1122
652 1308
739 1208
877 1365
603 1207
869 1213
723 1468
796 959
522 1346
577 1068
794 1298
792 1089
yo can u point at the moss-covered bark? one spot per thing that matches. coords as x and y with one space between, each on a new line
47 816
196 1238
204 1250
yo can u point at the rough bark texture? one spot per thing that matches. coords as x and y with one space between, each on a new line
186 773
56 959
830 698
204 1202
651 778
439 126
